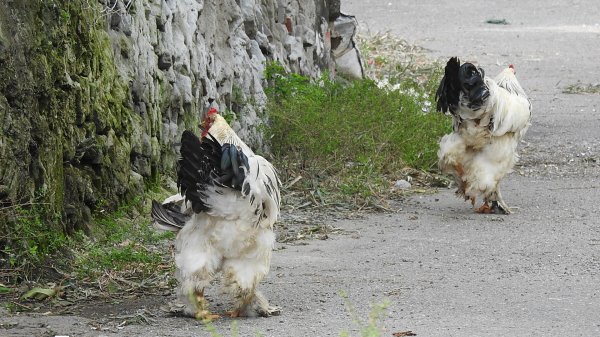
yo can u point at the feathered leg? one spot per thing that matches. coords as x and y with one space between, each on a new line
191 293
459 174
485 208
247 301
494 204
197 262
242 275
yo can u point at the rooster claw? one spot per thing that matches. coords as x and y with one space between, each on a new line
205 315
272 311
484 209
498 208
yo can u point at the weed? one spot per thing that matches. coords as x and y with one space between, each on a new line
351 139
121 243
27 238
368 328
212 330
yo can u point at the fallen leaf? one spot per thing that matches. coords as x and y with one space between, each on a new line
40 293
4 289
497 21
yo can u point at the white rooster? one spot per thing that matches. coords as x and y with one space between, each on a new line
224 216
490 116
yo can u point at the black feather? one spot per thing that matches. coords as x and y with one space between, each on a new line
466 79
473 85
448 92
208 163
199 160
168 215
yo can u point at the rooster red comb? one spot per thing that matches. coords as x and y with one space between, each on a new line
212 111
511 66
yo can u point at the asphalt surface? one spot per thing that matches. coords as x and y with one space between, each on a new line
445 270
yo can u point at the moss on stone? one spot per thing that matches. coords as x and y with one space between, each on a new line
59 87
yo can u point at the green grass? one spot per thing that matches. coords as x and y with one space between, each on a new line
123 242
122 248
355 137
26 242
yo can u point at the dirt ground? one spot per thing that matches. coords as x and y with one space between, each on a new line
444 270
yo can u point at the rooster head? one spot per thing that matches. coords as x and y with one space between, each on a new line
472 84
461 82
207 122
512 67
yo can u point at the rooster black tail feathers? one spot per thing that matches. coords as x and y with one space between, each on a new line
448 92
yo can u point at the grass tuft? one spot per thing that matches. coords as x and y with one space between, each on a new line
26 240
123 243
371 326
581 88
352 139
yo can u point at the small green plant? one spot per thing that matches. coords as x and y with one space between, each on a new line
368 328
27 236
210 328
229 116
65 16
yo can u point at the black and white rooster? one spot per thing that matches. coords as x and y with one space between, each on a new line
224 214
490 116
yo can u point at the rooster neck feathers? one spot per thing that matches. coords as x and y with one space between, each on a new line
224 134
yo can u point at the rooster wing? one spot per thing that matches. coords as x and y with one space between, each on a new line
223 181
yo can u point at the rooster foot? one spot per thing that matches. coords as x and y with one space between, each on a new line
270 311
233 313
500 208
484 209
494 208
205 315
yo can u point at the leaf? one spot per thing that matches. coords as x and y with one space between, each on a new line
497 21
40 293
403 333
4 289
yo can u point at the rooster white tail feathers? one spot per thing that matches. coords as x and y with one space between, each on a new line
511 112
507 80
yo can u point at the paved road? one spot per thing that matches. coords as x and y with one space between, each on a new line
445 270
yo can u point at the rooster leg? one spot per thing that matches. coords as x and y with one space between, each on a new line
459 172
248 302
191 293
202 312
241 277
252 303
